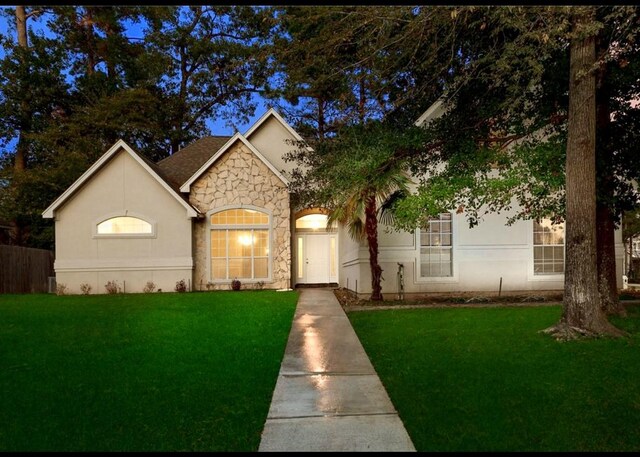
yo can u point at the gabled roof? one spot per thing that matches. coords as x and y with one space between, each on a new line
237 137
181 165
271 112
151 168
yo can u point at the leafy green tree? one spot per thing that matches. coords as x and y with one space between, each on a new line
508 116
212 61
355 175
322 65
31 90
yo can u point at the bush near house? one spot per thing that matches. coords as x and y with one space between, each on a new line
140 372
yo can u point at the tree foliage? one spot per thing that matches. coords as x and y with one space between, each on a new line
355 176
72 92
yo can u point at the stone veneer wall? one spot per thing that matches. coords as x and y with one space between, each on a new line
240 178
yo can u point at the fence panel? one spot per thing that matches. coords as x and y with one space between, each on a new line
24 270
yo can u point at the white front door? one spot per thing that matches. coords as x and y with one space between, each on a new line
316 258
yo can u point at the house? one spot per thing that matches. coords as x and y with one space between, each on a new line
214 211
219 209
449 256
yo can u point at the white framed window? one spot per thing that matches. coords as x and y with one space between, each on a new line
548 247
240 245
436 247
127 226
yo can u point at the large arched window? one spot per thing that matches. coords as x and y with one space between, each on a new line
240 244
124 225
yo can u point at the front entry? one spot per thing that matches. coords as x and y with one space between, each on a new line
316 258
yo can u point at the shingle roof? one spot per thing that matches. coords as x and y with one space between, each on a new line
163 175
180 166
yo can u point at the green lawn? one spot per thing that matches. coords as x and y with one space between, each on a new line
140 372
485 380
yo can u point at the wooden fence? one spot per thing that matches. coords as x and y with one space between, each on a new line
24 270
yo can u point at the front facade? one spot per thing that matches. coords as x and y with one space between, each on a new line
220 210
215 211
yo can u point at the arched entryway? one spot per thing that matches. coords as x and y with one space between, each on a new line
316 247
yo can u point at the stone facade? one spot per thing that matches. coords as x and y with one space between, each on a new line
240 178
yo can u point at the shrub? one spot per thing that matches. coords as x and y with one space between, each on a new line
149 287
112 287
61 289
85 288
181 286
236 284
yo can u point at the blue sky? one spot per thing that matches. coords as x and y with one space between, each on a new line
217 127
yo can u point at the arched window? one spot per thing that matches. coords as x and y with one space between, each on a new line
240 244
313 223
124 225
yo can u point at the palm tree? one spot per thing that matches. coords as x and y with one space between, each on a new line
359 206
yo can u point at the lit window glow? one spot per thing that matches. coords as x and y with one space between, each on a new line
548 247
124 225
436 259
312 222
239 252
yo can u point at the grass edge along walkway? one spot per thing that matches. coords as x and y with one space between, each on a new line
140 372
484 379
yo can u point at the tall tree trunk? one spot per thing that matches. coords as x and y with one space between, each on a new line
371 229
605 226
20 159
21 28
321 121
581 314
87 27
606 256
630 264
175 145
361 100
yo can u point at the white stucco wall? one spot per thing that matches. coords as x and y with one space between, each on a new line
270 139
122 187
482 255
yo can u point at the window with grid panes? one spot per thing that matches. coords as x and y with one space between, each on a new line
548 247
436 241
239 244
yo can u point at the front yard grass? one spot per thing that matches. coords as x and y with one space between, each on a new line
485 380
140 372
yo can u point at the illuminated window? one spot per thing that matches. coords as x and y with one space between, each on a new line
239 244
548 247
124 225
300 257
436 258
313 223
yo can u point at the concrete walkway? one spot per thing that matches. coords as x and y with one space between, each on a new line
328 397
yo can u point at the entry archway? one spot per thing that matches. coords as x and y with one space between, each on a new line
316 247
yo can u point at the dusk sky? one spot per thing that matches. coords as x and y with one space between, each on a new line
217 127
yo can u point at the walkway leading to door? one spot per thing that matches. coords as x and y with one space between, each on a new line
328 397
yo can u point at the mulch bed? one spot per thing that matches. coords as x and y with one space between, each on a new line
350 301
